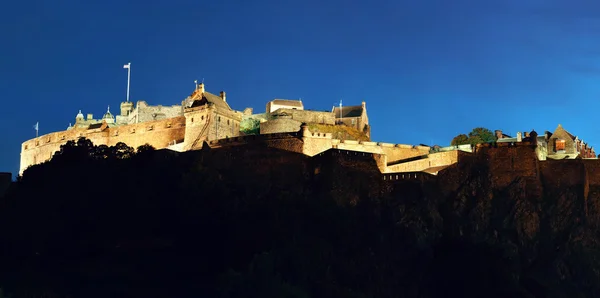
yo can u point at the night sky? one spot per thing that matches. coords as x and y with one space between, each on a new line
428 70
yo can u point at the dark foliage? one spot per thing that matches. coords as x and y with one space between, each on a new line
102 221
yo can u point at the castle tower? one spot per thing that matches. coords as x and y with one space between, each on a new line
108 117
79 117
126 108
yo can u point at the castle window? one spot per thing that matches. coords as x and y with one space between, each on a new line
192 120
37 143
202 117
116 132
168 125
150 127
227 122
26 147
133 130
559 145
62 137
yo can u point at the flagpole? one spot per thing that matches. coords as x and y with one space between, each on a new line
128 66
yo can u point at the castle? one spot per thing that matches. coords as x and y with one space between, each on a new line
206 119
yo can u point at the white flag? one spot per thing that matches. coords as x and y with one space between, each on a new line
126 65
36 126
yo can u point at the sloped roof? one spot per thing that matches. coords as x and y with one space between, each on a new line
95 125
208 97
559 128
348 112
288 102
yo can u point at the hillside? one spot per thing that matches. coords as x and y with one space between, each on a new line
262 222
341 132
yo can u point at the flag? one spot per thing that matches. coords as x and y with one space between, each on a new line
126 65
36 126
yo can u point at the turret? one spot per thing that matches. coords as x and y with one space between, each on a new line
108 117
126 108
79 117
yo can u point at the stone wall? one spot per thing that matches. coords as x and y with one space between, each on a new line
306 116
285 141
506 162
160 134
225 124
433 160
280 125
159 112
394 152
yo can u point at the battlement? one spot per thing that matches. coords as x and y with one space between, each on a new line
158 133
407 176
250 139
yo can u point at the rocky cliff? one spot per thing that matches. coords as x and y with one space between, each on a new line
261 222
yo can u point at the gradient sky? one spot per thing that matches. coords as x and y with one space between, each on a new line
428 70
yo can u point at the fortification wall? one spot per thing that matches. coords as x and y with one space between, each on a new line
592 167
394 152
285 141
433 160
224 124
308 116
315 142
158 133
280 125
507 161
159 112
196 121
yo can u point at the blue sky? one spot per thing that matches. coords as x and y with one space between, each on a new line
428 70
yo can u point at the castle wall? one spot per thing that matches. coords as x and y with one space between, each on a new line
315 143
196 121
508 161
159 112
394 152
284 141
224 124
158 133
308 116
433 160
280 125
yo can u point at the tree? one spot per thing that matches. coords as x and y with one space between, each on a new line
481 135
460 139
146 148
250 126
122 151
478 135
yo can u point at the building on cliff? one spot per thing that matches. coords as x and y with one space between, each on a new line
200 117
354 116
206 119
559 144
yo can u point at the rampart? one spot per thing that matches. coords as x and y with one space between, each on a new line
280 125
160 134
393 152
306 116
433 160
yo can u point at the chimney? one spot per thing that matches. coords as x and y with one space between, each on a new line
223 97
527 134
498 134
364 104
90 117
519 137
201 87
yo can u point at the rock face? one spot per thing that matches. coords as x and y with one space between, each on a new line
261 221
